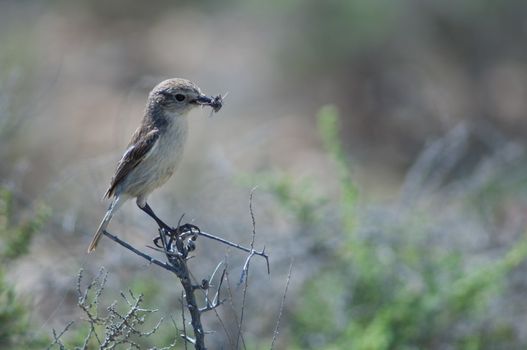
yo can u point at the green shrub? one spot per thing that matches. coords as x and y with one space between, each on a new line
15 239
391 286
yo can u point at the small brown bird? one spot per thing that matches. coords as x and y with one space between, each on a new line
156 147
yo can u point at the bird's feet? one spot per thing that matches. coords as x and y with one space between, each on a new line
176 234
186 229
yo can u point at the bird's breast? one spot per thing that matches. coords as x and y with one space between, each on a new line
170 146
161 161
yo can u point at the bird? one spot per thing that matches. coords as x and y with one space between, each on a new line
155 149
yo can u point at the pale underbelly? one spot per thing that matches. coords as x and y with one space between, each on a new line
149 175
159 165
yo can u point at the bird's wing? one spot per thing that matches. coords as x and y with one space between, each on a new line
138 150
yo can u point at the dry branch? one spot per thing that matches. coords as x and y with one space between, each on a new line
176 244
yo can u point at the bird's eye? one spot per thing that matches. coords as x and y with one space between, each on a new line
180 97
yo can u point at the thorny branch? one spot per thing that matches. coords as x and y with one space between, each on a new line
176 244
245 271
119 329
113 329
261 253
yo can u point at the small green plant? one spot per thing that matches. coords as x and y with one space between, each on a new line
328 124
15 238
295 196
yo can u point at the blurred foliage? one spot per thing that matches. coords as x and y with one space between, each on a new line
15 238
402 71
331 33
328 124
295 196
401 292
17 71
342 38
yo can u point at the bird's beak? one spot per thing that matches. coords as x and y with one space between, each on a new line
214 102
203 100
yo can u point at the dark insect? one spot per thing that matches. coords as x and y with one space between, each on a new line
217 103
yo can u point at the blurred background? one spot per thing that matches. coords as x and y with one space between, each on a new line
386 140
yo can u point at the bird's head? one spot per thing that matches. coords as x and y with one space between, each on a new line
178 96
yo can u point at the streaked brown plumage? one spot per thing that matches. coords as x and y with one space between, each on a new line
156 147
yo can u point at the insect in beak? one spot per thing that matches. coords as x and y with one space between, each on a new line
214 102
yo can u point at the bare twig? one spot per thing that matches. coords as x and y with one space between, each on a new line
119 328
98 282
217 297
245 271
87 339
138 252
261 253
216 301
184 335
176 327
207 299
56 337
277 327
233 309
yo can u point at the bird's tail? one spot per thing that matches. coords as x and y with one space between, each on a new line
104 224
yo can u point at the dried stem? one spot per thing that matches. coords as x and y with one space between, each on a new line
277 327
56 337
245 271
176 245
138 252
120 329
184 335
261 253
233 309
